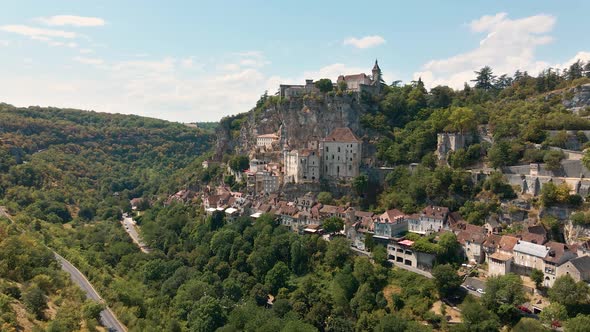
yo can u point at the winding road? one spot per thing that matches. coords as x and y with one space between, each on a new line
107 317
131 229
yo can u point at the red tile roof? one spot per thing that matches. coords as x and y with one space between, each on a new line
436 212
342 135
508 242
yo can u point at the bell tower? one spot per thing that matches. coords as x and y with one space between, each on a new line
376 73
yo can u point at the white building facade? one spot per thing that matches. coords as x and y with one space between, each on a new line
341 153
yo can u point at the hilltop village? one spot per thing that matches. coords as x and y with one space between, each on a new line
299 177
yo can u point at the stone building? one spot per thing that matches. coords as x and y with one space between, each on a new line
302 166
531 178
390 224
559 254
362 82
529 256
402 252
266 140
432 219
447 142
577 268
263 182
341 154
290 90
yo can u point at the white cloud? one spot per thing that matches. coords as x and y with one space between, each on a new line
86 51
37 33
4 43
78 21
89 61
508 45
364 42
583 56
160 87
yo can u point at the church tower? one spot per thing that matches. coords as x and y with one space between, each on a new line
376 73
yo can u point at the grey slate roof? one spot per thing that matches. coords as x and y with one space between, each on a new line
582 264
531 249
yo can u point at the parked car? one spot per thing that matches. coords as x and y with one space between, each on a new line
470 287
555 324
480 291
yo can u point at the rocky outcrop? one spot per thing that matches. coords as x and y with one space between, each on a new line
311 117
577 98
574 234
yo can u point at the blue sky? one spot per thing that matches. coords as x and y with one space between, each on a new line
198 61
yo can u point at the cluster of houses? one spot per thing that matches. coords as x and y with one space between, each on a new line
515 253
335 157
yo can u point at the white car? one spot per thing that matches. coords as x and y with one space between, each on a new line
480 291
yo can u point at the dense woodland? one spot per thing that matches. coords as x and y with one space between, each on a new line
67 176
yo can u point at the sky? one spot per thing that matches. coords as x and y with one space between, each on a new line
194 61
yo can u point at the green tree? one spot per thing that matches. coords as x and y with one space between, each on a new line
537 277
462 120
528 325
477 318
553 159
379 254
485 79
208 314
566 291
580 323
239 163
440 97
333 224
506 289
360 184
35 301
363 300
325 197
92 309
324 85
338 252
447 280
277 277
553 312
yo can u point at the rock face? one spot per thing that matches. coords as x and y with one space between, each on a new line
304 119
580 97
574 234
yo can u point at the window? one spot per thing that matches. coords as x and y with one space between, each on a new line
350 167
338 170
338 149
327 150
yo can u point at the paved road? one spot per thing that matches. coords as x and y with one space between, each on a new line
131 229
475 283
107 317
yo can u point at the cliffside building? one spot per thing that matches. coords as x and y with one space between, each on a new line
302 166
266 140
360 82
447 142
341 154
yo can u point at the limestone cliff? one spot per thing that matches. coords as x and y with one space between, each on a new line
577 98
311 117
